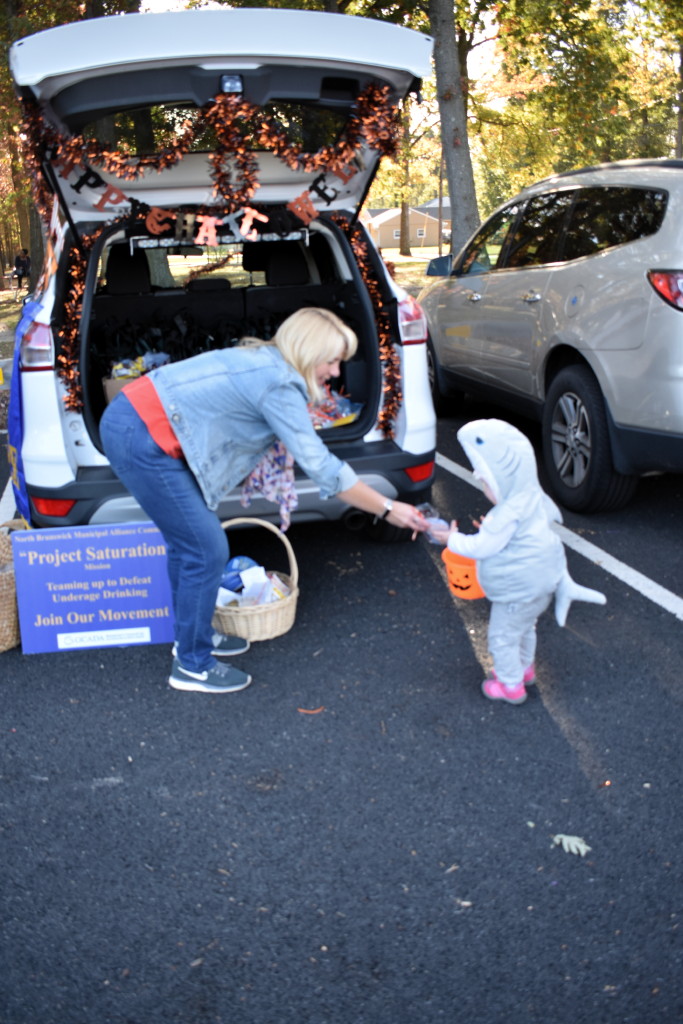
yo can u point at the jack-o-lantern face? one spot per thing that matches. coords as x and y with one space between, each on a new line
462 576
462 580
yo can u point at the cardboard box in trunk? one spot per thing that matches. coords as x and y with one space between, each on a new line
112 386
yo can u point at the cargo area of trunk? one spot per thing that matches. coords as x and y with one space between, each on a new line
141 310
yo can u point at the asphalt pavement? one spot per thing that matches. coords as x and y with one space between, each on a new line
360 837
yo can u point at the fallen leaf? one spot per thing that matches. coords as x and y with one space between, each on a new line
311 711
571 844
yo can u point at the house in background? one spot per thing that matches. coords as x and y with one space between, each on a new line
385 227
442 206
433 207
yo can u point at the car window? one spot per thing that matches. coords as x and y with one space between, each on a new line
483 252
605 217
148 130
144 263
537 235
178 267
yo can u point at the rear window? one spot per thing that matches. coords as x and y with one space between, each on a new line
146 131
144 266
604 217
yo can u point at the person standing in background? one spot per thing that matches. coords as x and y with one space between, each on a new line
22 270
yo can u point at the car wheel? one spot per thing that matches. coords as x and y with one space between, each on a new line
576 446
445 402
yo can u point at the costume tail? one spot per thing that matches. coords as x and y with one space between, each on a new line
568 591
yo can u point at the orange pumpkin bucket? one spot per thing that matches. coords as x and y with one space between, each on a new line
462 575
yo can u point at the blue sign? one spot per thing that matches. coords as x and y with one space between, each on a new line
92 586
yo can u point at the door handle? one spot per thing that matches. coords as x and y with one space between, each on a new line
532 297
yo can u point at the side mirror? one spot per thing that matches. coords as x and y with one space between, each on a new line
440 266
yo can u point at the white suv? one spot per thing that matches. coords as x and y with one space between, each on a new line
202 176
568 305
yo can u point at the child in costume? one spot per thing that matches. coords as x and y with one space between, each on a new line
521 562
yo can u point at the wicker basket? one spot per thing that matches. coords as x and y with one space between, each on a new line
262 621
9 616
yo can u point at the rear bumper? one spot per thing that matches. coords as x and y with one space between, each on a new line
101 498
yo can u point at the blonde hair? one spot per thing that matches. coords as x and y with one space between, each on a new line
309 337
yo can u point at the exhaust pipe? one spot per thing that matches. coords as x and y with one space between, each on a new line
355 520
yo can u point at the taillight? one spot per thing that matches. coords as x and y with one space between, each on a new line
668 284
36 347
56 507
421 472
412 323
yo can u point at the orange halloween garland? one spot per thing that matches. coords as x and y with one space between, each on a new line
374 118
236 122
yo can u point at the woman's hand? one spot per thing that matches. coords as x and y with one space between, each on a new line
408 518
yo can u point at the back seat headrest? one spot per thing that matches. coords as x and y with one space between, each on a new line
127 272
284 263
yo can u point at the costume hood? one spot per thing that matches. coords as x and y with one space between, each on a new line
501 457
504 459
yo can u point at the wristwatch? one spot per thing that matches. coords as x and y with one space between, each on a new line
388 505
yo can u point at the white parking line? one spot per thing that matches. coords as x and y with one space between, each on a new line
666 599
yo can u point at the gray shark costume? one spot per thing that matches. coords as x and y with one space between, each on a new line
521 561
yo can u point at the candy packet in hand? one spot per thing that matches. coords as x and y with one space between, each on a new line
433 520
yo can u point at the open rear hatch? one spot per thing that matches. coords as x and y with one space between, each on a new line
293 103
242 140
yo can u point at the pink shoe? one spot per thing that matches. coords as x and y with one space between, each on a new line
495 690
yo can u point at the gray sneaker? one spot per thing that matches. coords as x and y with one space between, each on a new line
223 646
220 678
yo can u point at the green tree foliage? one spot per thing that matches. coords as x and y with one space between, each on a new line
583 82
664 19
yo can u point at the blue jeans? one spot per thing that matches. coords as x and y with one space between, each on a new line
197 546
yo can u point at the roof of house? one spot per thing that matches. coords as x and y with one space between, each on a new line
433 204
384 216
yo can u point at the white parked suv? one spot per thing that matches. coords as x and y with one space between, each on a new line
568 305
201 172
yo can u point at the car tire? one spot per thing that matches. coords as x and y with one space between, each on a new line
576 447
445 400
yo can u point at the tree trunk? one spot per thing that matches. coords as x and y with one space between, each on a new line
679 116
36 247
453 111
20 188
404 240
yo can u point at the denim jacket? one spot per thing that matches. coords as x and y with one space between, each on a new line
227 407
